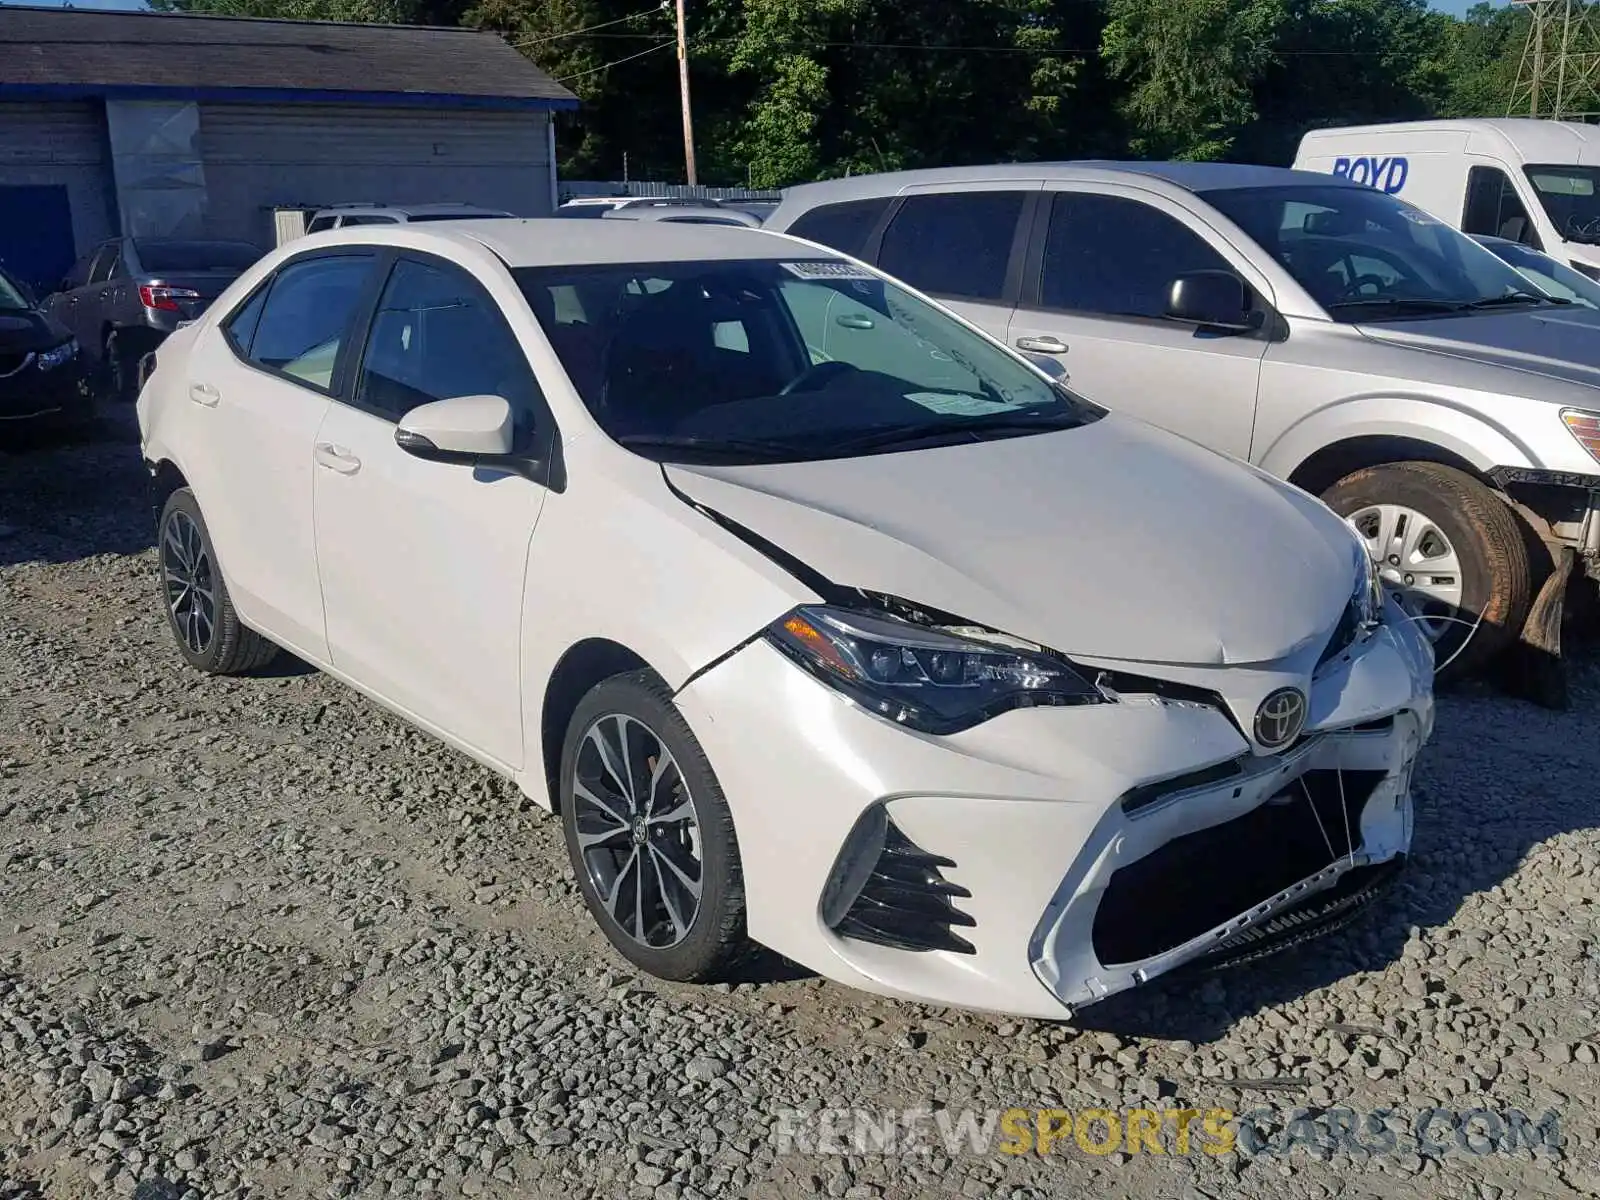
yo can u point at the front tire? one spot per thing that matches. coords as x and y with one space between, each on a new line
200 613
649 833
1453 550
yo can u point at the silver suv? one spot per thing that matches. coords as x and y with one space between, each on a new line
1331 334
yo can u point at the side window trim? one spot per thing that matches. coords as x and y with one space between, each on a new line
359 317
874 243
104 248
225 324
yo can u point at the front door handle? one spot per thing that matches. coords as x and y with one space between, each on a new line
336 458
204 394
1047 344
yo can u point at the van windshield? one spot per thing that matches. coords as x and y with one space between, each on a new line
1368 256
1571 199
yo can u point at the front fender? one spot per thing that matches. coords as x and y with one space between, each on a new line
1463 431
620 557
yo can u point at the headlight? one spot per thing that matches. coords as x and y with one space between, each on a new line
1367 599
933 680
1365 606
1585 426
49 360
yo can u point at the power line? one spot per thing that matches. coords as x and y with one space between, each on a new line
617 63
554 37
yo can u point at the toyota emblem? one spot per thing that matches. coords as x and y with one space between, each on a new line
1280 718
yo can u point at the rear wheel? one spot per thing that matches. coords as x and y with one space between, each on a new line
1453 551
122 356
200 612
649 832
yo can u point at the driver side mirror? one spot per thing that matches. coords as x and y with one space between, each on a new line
464 430
1212 300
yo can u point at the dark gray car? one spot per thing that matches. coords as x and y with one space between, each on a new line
125 297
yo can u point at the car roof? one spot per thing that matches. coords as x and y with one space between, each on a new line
405 210
1191 177
550 242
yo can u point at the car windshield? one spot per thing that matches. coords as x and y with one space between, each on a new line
1571 198
195 256
1551 277
1367 256
457 216
766 361
11 295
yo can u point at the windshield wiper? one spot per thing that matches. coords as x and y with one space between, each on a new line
715 446
898 435
1515 298
1398 304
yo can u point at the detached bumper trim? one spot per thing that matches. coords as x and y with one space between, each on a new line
1505 476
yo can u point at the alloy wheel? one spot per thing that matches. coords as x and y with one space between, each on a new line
638 831
190 581
1416 558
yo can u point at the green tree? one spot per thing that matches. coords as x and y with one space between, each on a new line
387 12
1190 67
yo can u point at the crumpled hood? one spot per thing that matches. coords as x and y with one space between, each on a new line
1559 343
1114 540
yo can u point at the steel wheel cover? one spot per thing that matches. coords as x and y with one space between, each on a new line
637 830
190 582
1417 559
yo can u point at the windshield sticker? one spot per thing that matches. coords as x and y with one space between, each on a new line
1417 217
827 269
955 404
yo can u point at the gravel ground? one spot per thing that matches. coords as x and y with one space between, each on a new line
258 938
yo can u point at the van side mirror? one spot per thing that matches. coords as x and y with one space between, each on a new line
1212 300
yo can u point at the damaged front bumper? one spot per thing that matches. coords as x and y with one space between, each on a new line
1234 867
1051 857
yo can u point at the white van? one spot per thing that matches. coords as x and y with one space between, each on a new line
1529 181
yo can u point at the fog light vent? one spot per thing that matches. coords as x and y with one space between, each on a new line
901 899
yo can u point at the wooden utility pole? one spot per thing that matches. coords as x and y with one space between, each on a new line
683 88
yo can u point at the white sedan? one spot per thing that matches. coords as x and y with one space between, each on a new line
825 621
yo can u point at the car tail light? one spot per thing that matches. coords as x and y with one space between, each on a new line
165 299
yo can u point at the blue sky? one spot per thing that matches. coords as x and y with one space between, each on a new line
1454 6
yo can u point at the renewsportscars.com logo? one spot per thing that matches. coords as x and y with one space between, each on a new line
1258 1132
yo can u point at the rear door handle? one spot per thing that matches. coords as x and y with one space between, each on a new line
204 394
1047 344
336 458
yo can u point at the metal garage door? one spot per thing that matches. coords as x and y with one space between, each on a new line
258 157
55 186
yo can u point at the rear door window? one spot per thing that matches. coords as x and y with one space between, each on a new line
954 244
845 227
306 319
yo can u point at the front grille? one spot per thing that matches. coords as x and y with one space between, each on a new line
906 902
1201 880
